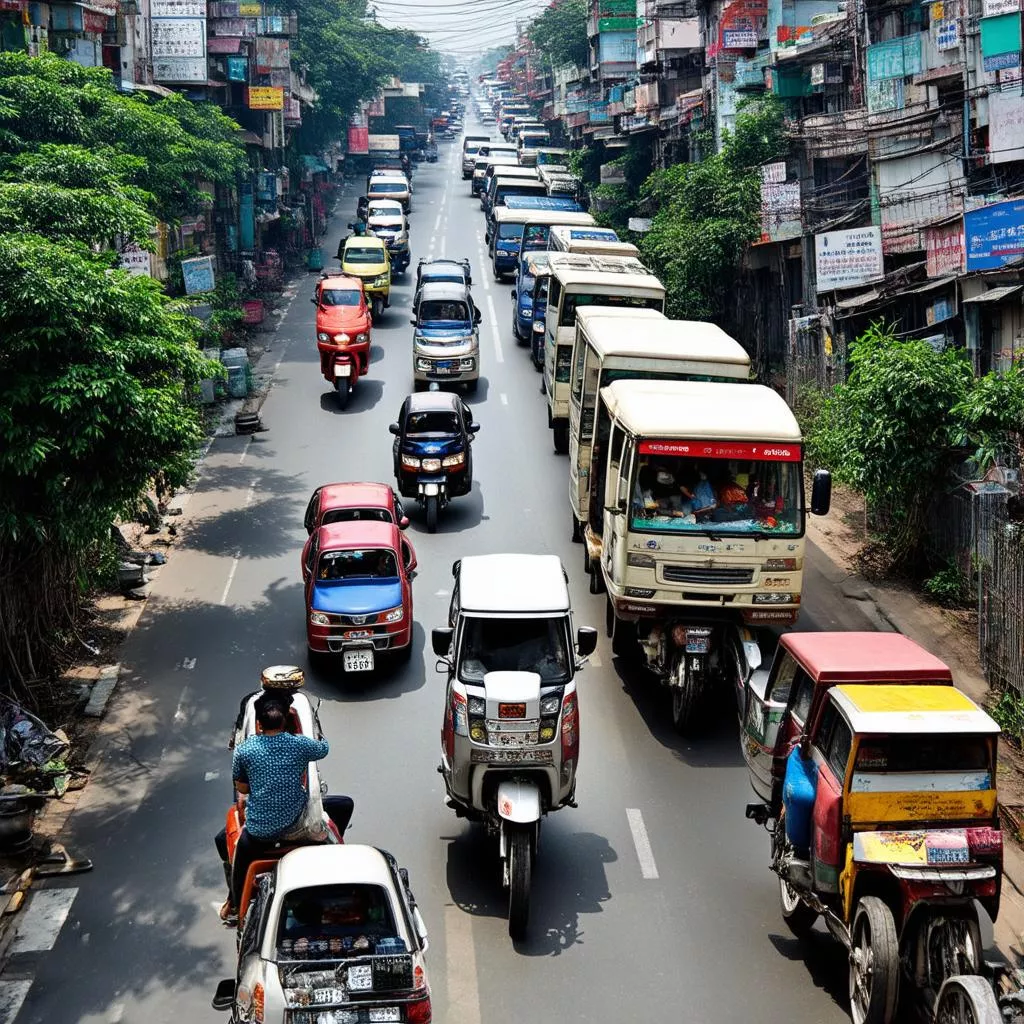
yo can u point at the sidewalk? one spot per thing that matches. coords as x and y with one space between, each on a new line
948 635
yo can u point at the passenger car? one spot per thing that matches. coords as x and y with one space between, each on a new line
331 927
358 587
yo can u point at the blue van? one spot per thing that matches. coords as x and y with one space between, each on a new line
531 264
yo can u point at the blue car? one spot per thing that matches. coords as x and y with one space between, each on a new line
522 296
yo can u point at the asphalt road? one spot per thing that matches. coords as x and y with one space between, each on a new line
687 931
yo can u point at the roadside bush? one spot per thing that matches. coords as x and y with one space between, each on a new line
1008 711
950 587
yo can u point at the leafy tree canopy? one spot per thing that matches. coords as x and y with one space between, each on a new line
560 33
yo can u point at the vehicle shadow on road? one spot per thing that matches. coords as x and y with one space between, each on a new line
368 392
715 745
826 961
274 514
462 514
388 681
473 875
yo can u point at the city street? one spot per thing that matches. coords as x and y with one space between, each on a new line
652 901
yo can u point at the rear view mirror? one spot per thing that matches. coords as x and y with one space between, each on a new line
396 430
586 641
412 320
821 492
224 997
473 428
513 295
441 641
403 523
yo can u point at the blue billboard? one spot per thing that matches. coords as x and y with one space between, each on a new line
994 235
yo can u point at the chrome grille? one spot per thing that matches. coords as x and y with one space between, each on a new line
707 575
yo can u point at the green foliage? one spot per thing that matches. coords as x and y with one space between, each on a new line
888 433
950 587
991 416
560 33
1008 711
708 213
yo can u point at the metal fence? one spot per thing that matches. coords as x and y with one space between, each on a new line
814 357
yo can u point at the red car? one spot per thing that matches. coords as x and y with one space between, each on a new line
342 331
351 502
358 578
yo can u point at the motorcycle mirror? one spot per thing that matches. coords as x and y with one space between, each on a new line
441 641
403 523
396 430
224 997
586 641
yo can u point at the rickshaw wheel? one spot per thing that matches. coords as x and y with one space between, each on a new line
874 964
952 946
968 1000
799 917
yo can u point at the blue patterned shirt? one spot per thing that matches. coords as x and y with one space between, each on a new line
273 768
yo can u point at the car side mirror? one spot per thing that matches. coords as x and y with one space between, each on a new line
474 428
441 641
586 641
821 492
403 523
513 295
313 300
396 430
412 320
224 997
477 316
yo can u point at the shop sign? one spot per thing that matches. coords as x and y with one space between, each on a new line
198 275
271 53
179 37
179 69
994 235
939 310
895 58
780 211
944 249
739 38
1005 127
266 97
135 260
177 8
773 174
885 95
848 259
994 7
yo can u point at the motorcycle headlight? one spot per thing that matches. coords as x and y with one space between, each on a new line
538 327
410 462
431 465
362 336
393 615
319 619
550 705
454 460
322 337
343 339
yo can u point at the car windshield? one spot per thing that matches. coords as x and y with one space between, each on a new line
355 515
514 645
438 309
436 421
316 921
388 209
388 186
576 300
724 490
339 296
510 230
358 563
363 254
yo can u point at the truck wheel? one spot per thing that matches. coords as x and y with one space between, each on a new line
874 964
799 917
519 863
596 578
623 634
561 438
341 386
431 510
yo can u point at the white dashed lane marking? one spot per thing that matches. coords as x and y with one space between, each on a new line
644 853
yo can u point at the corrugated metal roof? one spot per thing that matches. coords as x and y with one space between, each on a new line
996 294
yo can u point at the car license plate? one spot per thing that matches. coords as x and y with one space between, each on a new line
699 645
385 1013
447 366
516 739
343 370
357 661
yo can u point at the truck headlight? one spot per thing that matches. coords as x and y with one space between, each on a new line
319 619
640 561
422 364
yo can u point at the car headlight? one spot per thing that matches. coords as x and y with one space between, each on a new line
410 462
431 465
422 364
454 460
776 598
322 337
319 619
393 615
538 327
466 364
344 339
362 336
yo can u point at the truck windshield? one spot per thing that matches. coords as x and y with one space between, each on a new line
510 230
714 492
578 300
514 645
536 236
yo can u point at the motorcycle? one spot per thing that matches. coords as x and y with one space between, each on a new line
510 737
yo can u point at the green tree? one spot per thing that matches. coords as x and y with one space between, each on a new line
560 33
889 433
708 213
97 378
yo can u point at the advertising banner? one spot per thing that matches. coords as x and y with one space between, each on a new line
265 97
1005 127
848 259
198 274
944 249
994 235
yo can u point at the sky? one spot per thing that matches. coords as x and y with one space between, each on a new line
465 28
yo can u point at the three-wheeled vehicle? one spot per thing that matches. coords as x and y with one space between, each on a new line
358 582
366 257
433 455
446 339
329 932
342 331
510 741
886 826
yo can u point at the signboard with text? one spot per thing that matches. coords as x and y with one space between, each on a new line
848 259
265 97
994 235
944 249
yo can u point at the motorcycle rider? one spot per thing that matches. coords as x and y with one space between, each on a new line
268 769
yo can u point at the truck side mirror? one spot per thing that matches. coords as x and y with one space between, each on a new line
441 641
586 641
821 492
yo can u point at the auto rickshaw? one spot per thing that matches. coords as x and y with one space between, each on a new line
887 828
366 257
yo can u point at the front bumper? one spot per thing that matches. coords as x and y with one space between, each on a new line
506 261
336 639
